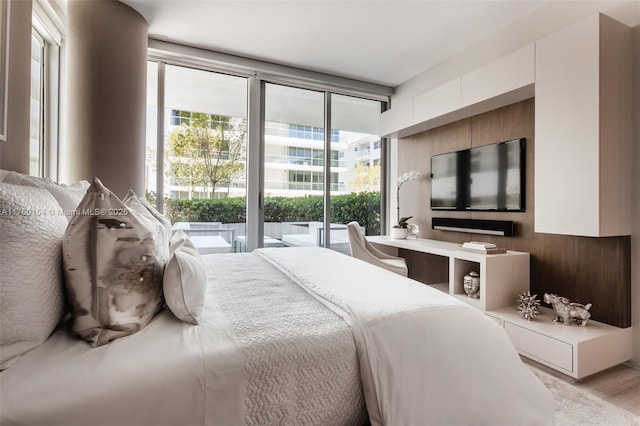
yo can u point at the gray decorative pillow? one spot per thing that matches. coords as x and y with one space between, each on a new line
31 290
113 268
185 280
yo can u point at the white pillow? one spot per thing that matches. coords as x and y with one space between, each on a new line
185 280
112 267
31 290
67 196
161 218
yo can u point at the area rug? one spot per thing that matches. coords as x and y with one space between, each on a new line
577 407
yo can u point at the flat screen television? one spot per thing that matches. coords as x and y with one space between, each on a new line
485 178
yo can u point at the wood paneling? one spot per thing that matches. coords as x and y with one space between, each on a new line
586 270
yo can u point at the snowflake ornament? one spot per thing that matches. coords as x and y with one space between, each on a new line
528 306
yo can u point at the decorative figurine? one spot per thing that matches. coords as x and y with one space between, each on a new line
566 311
413 230
472 284
528 306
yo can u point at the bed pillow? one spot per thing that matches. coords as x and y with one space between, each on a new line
31 293
160 224
185 280
67 196
155 213
112 267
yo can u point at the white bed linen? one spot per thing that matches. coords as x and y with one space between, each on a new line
425 357
169 373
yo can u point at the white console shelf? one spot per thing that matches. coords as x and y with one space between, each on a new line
502 276
573 350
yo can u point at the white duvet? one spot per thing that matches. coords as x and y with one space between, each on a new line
169 373
425 357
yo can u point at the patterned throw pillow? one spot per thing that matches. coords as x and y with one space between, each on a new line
160 224
31 290
113 261
185 280
155 213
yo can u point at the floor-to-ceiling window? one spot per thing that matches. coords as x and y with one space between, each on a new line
293 165
201 152
356 197
198 164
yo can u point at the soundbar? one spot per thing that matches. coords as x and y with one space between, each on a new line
474 226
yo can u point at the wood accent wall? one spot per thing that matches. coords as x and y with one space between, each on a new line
584 269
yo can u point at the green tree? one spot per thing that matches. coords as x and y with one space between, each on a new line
364 179
207 150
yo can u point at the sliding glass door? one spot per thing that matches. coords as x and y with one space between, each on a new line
203 154
310 182
293 166
358 166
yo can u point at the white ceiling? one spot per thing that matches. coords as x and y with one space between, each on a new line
384 42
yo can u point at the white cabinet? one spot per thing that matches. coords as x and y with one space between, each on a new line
583 130
510 73
573 350
437 102
507 80
398 117
502 276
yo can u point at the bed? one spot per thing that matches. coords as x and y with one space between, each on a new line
289 336
286 336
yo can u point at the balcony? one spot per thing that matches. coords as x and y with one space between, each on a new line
302 161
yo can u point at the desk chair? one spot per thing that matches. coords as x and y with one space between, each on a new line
364 250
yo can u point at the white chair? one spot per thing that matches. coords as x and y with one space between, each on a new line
364 250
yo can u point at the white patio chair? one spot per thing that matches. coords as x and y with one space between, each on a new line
364 250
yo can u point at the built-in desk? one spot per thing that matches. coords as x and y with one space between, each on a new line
573 350
502 276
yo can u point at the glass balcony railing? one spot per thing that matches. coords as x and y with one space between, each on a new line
299 132
303 186
301 161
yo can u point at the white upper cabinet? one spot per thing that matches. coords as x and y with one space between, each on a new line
508 74
583 131
507 80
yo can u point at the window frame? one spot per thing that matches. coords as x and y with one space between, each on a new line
49 24
42 44
256 127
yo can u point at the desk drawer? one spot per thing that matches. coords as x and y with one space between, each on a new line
541 347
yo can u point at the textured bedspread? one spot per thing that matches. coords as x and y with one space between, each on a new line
301 366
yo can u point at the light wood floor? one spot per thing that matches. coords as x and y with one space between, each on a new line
619 385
